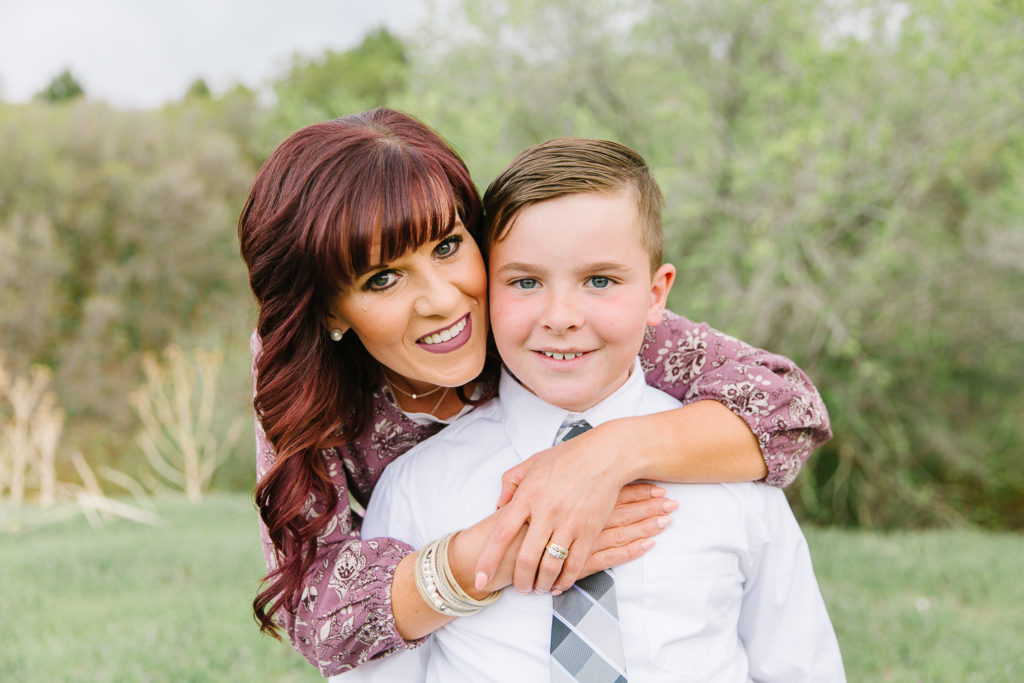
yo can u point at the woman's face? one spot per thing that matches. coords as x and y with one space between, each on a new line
424 314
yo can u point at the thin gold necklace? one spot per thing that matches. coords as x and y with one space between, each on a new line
412 395
438 404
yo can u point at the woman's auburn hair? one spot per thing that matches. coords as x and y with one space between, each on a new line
331 201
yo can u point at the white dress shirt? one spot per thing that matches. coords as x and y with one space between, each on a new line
726 594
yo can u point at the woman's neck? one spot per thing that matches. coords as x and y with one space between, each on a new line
421 397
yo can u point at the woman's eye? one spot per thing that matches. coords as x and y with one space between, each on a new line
381 280
448 246
599 282
525 283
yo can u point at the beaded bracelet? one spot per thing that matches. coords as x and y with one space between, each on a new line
437 585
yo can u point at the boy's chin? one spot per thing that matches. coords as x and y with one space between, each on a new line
570 401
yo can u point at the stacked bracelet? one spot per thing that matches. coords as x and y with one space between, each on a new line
437 585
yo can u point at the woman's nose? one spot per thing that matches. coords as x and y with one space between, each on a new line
439 295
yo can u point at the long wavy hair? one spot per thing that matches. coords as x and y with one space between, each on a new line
322 203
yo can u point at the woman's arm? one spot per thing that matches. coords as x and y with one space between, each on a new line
640 512
767 392
344 615
749 415
359 600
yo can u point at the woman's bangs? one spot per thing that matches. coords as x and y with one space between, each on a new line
418 207
393 203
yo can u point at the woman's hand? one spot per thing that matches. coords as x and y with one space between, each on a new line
639 513
566 495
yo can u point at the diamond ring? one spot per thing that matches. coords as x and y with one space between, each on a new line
556 551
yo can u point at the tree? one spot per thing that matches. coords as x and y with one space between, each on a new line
374 73
117 237
198 89
63 88
844 184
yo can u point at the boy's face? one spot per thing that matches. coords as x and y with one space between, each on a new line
571 292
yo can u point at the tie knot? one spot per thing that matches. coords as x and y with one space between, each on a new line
572 427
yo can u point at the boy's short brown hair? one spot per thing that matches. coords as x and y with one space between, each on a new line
567 166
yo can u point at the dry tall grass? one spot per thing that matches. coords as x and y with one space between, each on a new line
31 425
176 407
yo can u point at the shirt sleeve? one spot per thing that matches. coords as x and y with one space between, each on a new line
783 623
344 615
780 405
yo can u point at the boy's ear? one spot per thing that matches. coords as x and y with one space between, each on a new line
661 283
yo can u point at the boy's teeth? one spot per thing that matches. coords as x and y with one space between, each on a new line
446 335
562 356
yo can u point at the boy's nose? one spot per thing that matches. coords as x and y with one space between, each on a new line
562 313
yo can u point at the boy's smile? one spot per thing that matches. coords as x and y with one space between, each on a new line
571 292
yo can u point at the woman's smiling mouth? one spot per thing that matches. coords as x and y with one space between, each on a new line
449 338
446 334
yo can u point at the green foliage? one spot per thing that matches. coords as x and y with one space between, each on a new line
844 185
372 74
63 88
198 89
116 237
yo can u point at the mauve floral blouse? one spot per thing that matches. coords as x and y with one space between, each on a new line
344 617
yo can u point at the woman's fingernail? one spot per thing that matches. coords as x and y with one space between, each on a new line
481 581
669 505
647 544
664 521
657 492
556 591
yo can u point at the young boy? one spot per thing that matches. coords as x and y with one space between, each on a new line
728 593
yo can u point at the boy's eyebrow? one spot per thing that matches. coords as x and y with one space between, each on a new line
517 266
599 266
605 266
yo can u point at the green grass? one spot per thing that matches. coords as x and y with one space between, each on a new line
924 606
126 602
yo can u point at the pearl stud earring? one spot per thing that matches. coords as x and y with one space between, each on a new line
337 334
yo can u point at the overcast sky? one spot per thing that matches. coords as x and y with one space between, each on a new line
142 53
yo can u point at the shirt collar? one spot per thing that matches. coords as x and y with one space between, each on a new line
531 424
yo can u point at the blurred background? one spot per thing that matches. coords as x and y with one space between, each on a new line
844 183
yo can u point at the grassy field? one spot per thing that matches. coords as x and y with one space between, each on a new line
131 603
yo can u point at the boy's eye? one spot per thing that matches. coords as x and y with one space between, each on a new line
525 283
599 282
381 280
448 246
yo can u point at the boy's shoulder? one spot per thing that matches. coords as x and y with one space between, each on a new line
654 400
454 441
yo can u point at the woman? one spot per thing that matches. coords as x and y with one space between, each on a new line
359 236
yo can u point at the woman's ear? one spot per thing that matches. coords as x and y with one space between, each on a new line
661 284
336 327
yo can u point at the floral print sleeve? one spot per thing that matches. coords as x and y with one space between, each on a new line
694 362
344 616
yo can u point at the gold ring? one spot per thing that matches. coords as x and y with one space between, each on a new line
556 551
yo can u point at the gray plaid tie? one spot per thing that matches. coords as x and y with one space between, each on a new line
586 641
